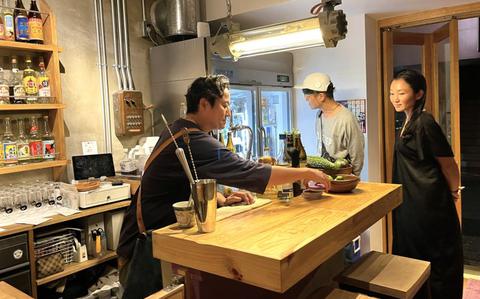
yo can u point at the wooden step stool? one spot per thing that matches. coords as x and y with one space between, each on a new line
387 275
341 294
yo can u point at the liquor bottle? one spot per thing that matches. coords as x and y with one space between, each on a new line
8 21
297 141
9 145
35 28
23 148
48 142
4 89
43 83
35 142
29 82
2 26
18 91
230 145
21 22
220 137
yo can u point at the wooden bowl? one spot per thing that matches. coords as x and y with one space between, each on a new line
348 183
87 186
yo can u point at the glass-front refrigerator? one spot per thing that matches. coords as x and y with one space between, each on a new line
259 107
275 117
243 107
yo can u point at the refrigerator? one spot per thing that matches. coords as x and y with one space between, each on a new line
261 90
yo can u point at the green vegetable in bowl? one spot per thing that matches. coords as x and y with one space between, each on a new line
330 177
339 178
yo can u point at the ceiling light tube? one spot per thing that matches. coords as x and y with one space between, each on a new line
276 38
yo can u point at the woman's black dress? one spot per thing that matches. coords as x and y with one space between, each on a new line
425 225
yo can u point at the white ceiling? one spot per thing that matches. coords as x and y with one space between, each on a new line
299 9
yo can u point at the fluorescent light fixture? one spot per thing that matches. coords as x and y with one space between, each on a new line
277 38
326 29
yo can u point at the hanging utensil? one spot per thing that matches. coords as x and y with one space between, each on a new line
186 139
180 154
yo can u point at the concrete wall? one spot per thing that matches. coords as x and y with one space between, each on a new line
81 83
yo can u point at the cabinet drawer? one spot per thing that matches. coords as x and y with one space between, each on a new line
13 252
19 280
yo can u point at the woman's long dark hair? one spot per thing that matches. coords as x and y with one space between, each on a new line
417 82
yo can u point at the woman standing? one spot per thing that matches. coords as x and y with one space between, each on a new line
425 225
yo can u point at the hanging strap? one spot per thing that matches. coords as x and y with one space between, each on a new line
157 151
325 153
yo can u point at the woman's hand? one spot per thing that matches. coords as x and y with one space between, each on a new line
236 197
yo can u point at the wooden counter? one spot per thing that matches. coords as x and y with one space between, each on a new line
275 246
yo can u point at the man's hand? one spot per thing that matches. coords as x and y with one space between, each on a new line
236 197
318 177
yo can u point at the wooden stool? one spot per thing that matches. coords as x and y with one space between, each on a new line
387 275
341 294
9 292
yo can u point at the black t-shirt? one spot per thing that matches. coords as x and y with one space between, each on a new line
165 182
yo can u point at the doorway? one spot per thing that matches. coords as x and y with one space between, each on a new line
470 167
450 104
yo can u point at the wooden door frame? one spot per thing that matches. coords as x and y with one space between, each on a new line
384 33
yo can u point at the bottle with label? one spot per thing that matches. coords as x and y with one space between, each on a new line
29 82
2 26
8 21
230 145
17 89
43 83
21 22
183 109
35 142
23 148
4 89
9 145
48 142
35 28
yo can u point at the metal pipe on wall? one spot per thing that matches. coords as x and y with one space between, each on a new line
120 44
116 66
102 65
126 46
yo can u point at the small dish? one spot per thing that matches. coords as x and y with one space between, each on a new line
312 193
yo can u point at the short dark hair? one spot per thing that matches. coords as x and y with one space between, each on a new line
210 88
328 92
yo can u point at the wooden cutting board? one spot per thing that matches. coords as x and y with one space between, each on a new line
228 211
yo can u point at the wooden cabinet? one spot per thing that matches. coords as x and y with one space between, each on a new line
72 268
50 52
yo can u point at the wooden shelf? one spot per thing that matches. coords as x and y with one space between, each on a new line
87 212
23 107
19 228
77 267
27 47
32 166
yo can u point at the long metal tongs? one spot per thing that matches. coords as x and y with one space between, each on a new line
180 154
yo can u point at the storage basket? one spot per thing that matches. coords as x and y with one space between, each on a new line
63 244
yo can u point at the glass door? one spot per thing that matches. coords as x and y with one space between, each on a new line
243 107
275 117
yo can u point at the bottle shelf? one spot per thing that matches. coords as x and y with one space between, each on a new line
24 107
27 47
32 166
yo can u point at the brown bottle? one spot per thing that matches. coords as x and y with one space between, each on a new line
297 141
35 27
21 22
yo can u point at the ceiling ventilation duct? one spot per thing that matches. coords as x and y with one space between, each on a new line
175 20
